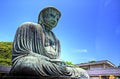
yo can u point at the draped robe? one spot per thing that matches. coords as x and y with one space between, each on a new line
30 56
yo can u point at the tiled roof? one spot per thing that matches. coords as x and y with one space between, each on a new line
96 62
104 72
4 69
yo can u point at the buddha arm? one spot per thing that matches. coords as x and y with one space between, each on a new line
28 41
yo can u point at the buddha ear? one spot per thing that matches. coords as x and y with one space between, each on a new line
40 18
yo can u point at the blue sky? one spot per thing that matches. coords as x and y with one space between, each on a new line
88 29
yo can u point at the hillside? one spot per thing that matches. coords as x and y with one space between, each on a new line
5 53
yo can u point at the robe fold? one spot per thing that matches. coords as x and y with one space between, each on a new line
36 53
29 56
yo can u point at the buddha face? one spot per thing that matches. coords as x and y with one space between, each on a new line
50 18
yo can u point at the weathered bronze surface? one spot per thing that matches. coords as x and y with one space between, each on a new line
36 49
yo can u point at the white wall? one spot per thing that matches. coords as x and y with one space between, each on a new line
94 77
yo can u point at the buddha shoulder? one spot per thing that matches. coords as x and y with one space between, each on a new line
30 25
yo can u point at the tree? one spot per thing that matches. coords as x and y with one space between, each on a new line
92 61
69 63
5 53
119 66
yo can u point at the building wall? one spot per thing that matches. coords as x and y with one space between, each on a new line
108 66
96 66
95 70
100 66
94 77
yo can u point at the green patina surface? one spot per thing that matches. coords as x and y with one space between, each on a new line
36 49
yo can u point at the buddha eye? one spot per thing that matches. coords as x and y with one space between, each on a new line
57 19
52 15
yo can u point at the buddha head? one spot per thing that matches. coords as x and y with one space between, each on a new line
48 17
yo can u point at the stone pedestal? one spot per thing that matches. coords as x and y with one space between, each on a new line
34 77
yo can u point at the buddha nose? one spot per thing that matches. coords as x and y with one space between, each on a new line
53 21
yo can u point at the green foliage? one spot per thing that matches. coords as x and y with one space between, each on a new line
5 53
119 65
71 64
92 61
6 62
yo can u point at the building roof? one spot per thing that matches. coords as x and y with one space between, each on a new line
4 69
97 62
104 72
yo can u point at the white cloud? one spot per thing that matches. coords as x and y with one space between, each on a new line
117 31
107 2
81 59
81 50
